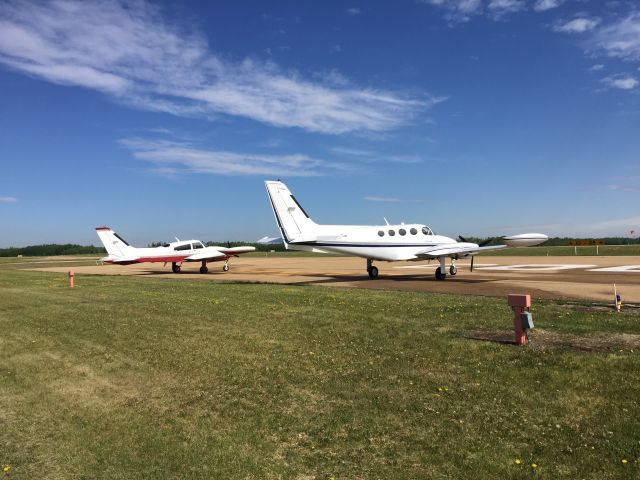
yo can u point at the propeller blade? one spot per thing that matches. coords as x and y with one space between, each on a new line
486 242
462 239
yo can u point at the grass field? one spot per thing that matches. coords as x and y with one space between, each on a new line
127 377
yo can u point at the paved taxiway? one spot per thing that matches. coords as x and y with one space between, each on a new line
585 278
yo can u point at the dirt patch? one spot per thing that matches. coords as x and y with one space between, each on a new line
539 338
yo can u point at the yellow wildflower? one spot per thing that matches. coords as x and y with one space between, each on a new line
6 468
624 461
518 461
534 465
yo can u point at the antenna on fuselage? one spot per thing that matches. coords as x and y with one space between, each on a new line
177 239
385 220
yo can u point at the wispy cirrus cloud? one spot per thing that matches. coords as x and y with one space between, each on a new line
460 11
8 199
577 25
173 158
132 53
369 156
620 39
382 199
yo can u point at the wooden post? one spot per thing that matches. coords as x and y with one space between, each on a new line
519 303
71 278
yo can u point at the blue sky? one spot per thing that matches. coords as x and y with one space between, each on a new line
477 117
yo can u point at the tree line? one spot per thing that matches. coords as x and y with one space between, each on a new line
53 249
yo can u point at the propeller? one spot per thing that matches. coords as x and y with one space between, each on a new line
481 244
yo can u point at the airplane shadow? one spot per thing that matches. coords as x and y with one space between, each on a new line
382 279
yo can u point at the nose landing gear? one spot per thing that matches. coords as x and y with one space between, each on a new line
225 267
175 268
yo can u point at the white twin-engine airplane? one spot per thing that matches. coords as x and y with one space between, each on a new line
121 253
387 243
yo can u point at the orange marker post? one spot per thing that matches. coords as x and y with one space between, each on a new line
519 303
71 278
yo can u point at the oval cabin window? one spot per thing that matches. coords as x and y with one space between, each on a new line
413 231
381 233
402 231
392 232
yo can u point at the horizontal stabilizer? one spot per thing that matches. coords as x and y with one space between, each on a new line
270 241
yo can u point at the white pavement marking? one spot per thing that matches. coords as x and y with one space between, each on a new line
623 268
435 264
536 267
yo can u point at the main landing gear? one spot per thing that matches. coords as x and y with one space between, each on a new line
175 268
373 271
225 267
441 271
204 268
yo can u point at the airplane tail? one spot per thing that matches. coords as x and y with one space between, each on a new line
293 221
115 245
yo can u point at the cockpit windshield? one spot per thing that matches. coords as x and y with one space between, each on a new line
427 231
197 245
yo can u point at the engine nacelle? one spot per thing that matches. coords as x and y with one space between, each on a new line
525 239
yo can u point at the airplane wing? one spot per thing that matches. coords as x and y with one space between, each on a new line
205 256
454 250
237 250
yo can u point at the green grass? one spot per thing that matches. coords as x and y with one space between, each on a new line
126 377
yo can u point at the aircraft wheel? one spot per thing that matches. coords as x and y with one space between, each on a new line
373 273
453 270
204 269
225 267
175 268
440 275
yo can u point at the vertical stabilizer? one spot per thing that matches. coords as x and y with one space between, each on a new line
293 221
114 244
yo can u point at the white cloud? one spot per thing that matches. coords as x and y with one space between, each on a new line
8 199
369 156
353 11
621 81
620 39
596 68
381 199
499 8
458 10
130 52
176 158
544 5
577 25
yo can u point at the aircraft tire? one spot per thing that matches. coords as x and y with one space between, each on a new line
373 273
204 270
440 275
453 271
225 267
175 268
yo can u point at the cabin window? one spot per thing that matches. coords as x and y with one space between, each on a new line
197 245
402 231
183 247
381 233
392 232
413 231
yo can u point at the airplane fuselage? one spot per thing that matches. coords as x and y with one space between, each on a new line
384 242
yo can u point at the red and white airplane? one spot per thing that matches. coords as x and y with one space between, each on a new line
121 253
